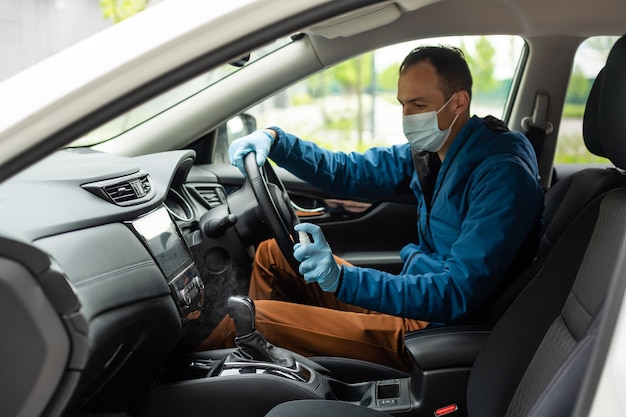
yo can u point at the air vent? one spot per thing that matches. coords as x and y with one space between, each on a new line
211 195
125 191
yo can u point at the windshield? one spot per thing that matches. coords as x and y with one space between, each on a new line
172 97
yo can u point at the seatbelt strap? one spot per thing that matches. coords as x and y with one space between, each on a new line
537 126
427 165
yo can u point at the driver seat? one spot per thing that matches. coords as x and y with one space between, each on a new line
536 358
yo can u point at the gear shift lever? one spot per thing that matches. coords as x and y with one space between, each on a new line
251 345
241 310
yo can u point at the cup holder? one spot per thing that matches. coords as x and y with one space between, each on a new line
359 393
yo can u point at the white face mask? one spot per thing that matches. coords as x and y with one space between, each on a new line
422 129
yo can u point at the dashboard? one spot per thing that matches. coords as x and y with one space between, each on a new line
83 207
116 244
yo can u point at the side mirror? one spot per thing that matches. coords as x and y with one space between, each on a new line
240 125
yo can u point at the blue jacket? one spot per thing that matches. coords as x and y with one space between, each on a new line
485 202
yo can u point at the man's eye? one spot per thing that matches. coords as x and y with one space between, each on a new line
412 106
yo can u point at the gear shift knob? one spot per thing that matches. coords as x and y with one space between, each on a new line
241 309
251 345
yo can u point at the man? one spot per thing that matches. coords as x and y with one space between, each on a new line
479 206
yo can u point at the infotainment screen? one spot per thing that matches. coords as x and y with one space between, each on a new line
160 235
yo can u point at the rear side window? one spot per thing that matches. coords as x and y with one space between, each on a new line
589 60
352 106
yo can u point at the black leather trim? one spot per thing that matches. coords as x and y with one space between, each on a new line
446 347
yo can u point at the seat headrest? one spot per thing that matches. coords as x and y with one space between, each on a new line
612 105
591 132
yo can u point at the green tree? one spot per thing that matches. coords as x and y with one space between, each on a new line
578 88
347 77
351 77
388 78
118 10
482 65
352 73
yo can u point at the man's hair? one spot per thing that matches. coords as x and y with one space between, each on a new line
450 64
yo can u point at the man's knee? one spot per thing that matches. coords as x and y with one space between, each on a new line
268 250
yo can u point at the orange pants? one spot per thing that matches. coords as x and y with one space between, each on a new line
302 318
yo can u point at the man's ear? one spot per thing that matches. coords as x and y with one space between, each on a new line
461 102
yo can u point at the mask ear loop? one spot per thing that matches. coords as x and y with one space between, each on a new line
446 103
444 106
454 120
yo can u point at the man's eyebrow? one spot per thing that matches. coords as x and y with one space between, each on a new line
411 100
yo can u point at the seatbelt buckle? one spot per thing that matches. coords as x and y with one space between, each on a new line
539 116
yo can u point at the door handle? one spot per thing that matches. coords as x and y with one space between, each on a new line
310 212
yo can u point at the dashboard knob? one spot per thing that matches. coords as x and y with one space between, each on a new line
217 227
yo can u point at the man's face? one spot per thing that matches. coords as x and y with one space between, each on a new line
418 92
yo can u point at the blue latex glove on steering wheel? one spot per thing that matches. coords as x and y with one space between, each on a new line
317 263
258 141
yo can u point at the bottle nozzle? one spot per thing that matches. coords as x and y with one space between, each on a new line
304 238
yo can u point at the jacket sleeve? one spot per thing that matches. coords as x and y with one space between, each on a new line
375 173
505 205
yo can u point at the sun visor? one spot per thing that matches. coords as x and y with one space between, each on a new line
357 21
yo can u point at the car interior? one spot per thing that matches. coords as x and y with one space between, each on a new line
119 256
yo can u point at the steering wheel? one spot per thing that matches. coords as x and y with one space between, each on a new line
274 205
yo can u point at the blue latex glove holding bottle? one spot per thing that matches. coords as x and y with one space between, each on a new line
317 263
259 141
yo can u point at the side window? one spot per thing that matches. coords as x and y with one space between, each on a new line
589 60
352 106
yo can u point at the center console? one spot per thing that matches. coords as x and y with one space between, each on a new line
256 376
